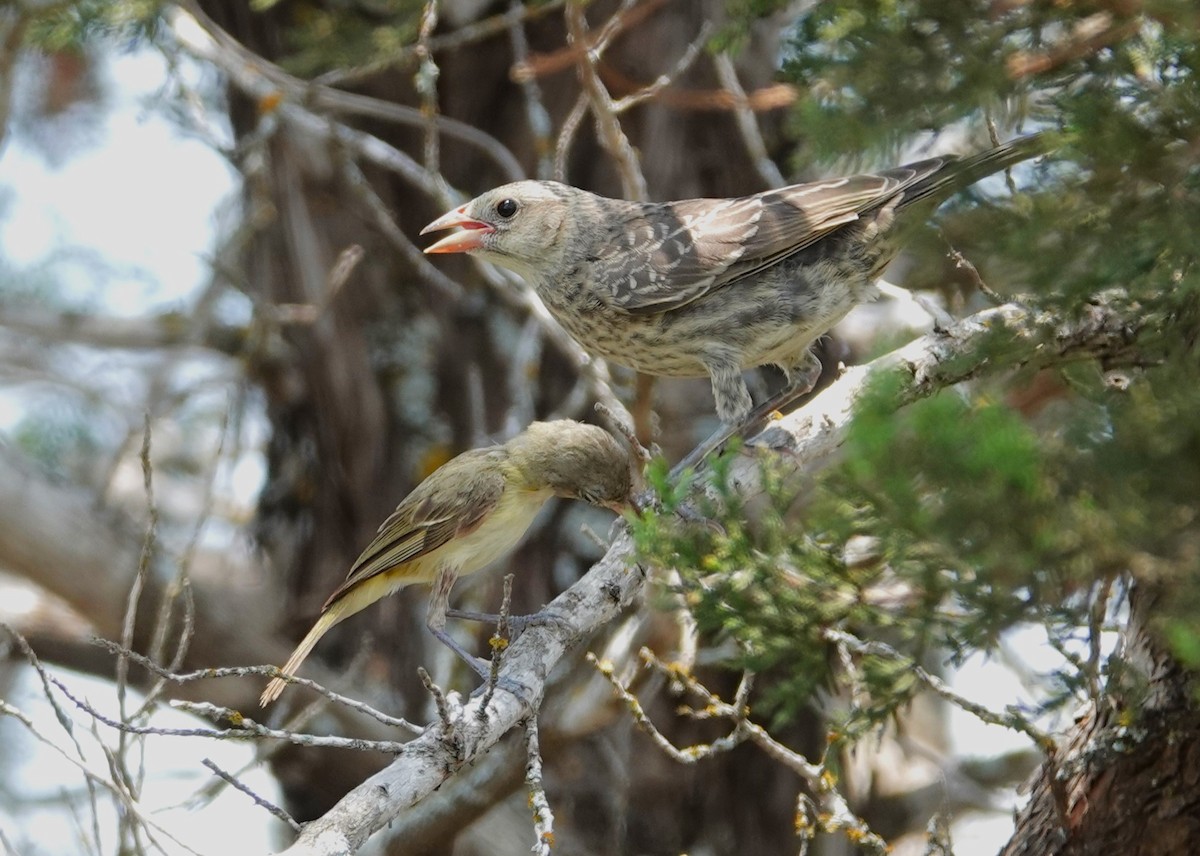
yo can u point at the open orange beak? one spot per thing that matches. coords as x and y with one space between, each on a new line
470 238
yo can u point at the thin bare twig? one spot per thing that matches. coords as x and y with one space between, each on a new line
664 80
837 816
180 586
536 113
543 816
139 581
264 671
747 122
126 800
688 755
566 135
439 699
129 831
297 721
630 14
244 727
61 716
1011 718
229 779
469 34
378 211
962 262
498 643
266 81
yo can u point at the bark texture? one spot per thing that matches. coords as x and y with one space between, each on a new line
1127 778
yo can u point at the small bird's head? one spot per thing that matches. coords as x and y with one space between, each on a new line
516 225
575 461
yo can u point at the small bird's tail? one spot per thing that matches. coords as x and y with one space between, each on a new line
975 167
326 621
945 176
342 604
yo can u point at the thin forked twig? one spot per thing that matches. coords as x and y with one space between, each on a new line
666 79
608 127
837 815
126 800
498 643
1010 719
566 135
469 34
246 671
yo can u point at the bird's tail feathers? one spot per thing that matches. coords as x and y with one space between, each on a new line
345 602
972 169
326 621
960 173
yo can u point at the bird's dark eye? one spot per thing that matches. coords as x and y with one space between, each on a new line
506 208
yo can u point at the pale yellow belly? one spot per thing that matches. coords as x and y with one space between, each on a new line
496 536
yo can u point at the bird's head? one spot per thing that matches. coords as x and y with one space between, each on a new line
575 461
516 225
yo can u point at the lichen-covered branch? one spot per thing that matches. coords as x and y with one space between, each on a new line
805 438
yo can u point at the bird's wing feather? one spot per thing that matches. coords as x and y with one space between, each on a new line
450 503
666 255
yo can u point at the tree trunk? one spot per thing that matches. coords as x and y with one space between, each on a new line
1127 777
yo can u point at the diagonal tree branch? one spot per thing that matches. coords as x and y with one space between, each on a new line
148 332
1016 336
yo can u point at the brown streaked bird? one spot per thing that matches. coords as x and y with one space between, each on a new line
710 286
468 513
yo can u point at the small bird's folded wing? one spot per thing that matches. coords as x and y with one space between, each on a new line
448 504
666 255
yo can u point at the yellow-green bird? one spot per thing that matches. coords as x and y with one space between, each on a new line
469 512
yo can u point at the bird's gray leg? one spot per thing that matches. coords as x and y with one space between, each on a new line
729 388
802 376
733 405
467 615
435 620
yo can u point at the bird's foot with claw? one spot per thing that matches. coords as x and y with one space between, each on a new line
485 670
517 623
510 686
